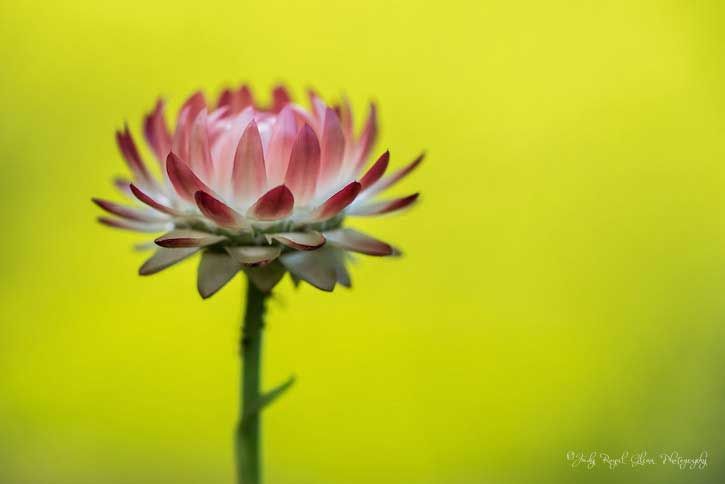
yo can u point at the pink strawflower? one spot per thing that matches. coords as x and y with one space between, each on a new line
259 189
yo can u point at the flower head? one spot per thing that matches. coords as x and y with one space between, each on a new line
263 189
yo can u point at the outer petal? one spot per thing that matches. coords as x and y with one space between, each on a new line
133 226
164 258
143 197
249 176
355 241
133 159
375 172
388 181
320 268
386 206
183 179
283 137
188 113
300 240
304 165
366 141
265 277
218 211
214 271
336 203
280 98
156 133
277 203
187 238
332 148
129 213
254 254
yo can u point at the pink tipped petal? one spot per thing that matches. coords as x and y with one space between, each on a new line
391 180
214 271
280 98
143 197
129 213
277 203
304 165
254 255
355 241
366 141
199 152
184 181
218 211
375 172
123 185
300 240
386 206
188 113
249 177
336 203
347 122
133 159
133 226
284 133
188 238
332 148
164 258
156 133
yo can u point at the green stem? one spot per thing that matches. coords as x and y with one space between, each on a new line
248 428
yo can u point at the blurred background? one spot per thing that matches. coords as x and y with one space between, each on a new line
564 274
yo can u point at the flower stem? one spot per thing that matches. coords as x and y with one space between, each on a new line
248 428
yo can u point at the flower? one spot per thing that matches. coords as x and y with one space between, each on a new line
263 189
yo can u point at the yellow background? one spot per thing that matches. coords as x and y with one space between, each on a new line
563 283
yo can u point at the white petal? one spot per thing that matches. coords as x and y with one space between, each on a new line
214 271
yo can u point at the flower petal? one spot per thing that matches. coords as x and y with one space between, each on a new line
199 153
390 180
249 176
164 258
304 165
336 203
187 238
218 211
156 133
265 277
281 140
366 141
143 197
133 226
375 172
320 267
300 240
214 271
187 114
133 159
385 206
332 148
277 203
129 213
355 241
280 98
183 179
254 254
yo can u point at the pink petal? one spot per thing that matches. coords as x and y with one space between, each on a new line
375 172
283 137
280 98
304 165
156 133
254 254
300 240
214 271
385 206
184 181
129 213
249 178
332 148
217 210
199 154
366 141
388 181
123 185
347 122
164 258
188 113
355 241
133 226
336 203
277 203
143 197
133 159
187 238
